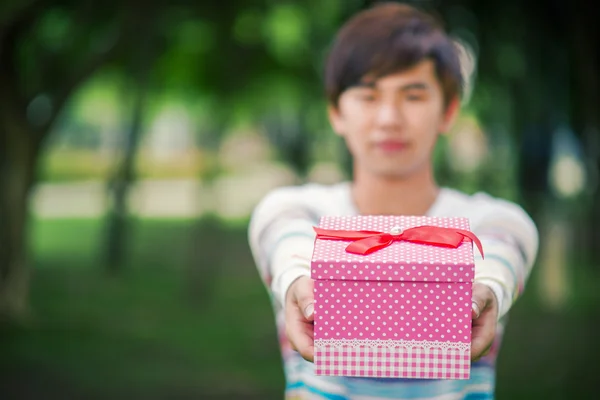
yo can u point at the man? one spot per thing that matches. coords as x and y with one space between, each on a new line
393 82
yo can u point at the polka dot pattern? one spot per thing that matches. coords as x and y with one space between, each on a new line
393 310
406 291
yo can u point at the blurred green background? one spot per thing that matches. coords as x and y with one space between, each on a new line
137 137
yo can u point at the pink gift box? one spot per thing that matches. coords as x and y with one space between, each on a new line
402 311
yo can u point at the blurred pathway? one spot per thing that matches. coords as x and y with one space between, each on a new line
230 196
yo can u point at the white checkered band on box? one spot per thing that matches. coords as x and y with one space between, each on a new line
393 359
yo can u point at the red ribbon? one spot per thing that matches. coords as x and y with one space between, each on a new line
367 242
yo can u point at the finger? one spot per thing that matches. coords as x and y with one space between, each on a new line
299 315
304 297
485 353
300 332
475 310
480 300
483 333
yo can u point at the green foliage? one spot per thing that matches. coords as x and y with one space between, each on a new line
190 45
228 67
511 61
285 31
247 27
53 29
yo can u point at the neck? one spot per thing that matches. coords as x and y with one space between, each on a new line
409 195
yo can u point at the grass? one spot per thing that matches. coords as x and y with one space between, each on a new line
188 317
171 322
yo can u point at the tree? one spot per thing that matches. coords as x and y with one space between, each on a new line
47 50
140 64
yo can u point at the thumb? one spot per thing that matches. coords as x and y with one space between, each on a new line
304 296
476 307
480 300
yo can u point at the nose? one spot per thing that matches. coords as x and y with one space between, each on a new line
389 113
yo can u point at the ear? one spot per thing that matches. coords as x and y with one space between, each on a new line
335 119
450 115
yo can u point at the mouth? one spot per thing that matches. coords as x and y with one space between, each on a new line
391 145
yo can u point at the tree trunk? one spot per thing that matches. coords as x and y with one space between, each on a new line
586 102
19 147
18 150
117 232
21 139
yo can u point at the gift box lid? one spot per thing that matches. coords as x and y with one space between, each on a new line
401 260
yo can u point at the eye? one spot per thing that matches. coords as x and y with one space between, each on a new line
416 96
366 96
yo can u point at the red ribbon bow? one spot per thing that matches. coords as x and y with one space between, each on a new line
367 242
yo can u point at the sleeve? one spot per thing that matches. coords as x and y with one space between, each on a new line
510 243
281 239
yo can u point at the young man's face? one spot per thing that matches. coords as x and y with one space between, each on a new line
391 125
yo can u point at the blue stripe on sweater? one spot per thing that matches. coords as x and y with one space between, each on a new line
479 396
325 395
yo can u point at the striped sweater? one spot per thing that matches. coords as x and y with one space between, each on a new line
281 238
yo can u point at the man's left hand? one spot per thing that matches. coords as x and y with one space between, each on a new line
485 317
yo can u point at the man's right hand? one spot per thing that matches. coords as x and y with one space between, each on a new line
299 317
